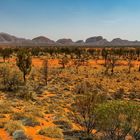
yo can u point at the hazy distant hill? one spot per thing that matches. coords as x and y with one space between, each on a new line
65 41
42 40
97 41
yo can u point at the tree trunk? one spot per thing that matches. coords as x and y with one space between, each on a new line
112 70
24 78
63 65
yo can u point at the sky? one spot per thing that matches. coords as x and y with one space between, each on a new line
75 19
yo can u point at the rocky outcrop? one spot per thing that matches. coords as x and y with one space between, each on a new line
97 40
10 39
7 38
80 42
42 39
64 41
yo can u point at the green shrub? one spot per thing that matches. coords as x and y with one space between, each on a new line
118 115
52 132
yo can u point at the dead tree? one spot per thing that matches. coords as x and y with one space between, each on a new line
45 71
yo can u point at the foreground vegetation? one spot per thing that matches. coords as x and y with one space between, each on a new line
70 93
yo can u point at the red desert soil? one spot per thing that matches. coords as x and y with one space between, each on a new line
32 131
4 135
37 62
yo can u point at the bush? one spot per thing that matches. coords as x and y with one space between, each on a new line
83 88
12 126
83 110
10 80
118 115
65 125
30 121
5 108
34 111
119 94
26 92
52 132
18 116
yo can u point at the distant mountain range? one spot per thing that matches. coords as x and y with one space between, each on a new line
7 39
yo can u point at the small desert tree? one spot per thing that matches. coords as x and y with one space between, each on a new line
64 61
6 53
105 55
83 111
130 57
113 60
24 62
45 71
115 119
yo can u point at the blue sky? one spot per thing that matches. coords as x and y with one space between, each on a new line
76 19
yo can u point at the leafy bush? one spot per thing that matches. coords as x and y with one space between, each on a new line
116 119
52 132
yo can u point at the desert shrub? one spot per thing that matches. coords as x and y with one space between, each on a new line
26 118
12 126
82 88
10 79
119 94
34 111
26 92
30 121
5 108
52 132
64 61
116 119
83 111
132 95
65 125
17 116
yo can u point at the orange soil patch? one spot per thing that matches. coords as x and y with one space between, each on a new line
4 135
33 131
38 62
